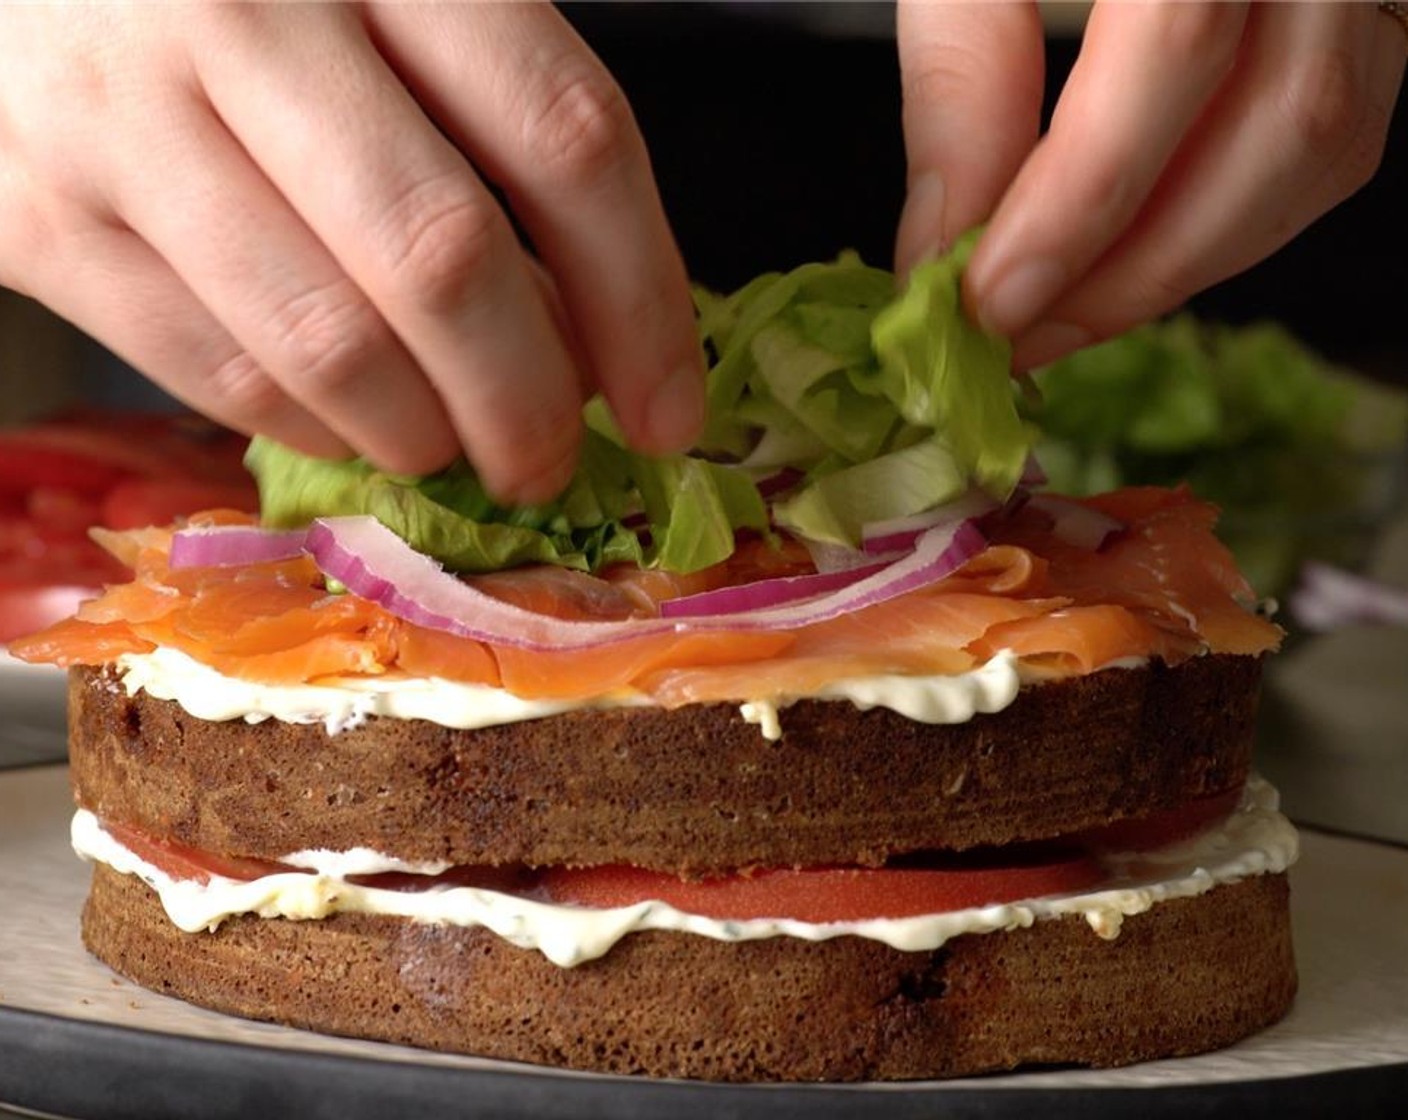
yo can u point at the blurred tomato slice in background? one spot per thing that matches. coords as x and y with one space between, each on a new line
65 474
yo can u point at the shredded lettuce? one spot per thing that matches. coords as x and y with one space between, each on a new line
885 403
892 403
1299 454
692 509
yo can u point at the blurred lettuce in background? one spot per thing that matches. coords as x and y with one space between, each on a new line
1307 460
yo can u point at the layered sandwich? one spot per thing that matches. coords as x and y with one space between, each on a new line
837 750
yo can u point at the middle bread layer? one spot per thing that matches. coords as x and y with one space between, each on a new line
694 790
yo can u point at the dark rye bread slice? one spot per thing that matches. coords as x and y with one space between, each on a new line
1187 976
691 790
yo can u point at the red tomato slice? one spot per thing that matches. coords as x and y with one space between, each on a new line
62 509
1165 827
83 448
137 503
99 444
24 539
180 861
820 895
25 465
506 880
183 862
824 894
26 608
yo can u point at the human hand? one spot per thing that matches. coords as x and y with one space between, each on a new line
1190 142
280 214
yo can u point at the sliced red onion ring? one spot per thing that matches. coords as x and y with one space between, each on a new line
371 561
831 557
900 533
1076 524
225 546
1329 598
765 593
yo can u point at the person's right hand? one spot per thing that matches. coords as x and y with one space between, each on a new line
280 214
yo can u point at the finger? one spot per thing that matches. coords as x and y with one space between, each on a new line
972 78
250 259
552 300
541 117
406 217
109 283
1144 74
22 233
1297 129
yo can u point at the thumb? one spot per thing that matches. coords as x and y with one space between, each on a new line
972 78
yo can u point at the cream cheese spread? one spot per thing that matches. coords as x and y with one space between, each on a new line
1256 839
346 702
338 704
934 699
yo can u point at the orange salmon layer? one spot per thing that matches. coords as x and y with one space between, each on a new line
1163 588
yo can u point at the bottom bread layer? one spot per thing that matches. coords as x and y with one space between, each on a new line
1188 976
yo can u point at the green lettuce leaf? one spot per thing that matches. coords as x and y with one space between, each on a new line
885 403
447 515
1300 455
837 505
826 307
891 402
945 374
693 508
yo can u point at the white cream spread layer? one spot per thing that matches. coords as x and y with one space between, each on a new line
340 704
1256 839
346 702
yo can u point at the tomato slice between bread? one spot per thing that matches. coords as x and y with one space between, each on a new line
183 862
180 861
1168 826
813 895
841 894
820 895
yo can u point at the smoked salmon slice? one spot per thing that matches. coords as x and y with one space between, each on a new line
1162 588
1167 566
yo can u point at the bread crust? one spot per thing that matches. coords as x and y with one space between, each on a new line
1188 976
692 790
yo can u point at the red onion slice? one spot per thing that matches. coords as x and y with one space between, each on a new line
371 561
831 557
1331 598
765 593
227 546
374 563
900 533
1032 472
1076 524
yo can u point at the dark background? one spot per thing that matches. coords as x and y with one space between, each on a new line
774 144
775 134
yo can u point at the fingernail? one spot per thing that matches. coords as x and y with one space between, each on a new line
1020 295
1046 342
675 415
921 229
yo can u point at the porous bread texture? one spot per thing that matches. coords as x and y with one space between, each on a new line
1189 975
693 790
